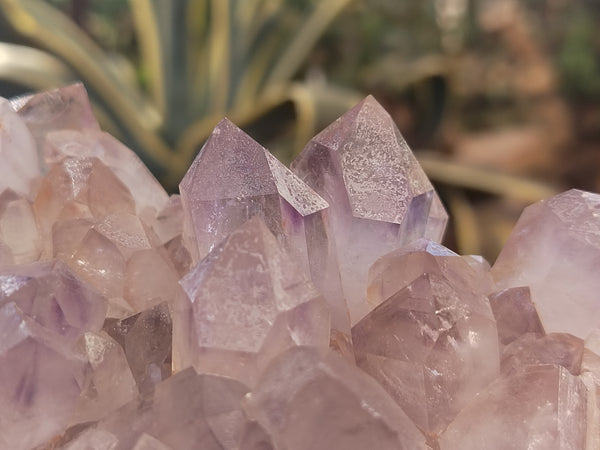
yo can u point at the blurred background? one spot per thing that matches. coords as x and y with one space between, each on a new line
499 99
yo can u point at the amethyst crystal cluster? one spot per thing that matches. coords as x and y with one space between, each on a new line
275 308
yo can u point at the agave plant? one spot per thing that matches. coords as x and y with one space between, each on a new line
202 59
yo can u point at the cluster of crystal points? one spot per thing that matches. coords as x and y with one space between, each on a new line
268 308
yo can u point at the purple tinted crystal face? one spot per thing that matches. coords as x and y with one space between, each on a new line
245 302
555 250
57 299
39 381
233 179
432 343
379 197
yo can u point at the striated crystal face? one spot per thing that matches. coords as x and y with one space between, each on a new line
221 319
244 303
379 197
555 250
433 342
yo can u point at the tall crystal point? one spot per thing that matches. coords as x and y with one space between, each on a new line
233 179
379 196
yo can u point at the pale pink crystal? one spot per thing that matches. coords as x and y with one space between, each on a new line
432 344
379 197
555 250
54 297
67 108
40 381
149 279
19 161
234 178
245 302
515 314
305 400
150 197
185 411
538 407
109 383
18 228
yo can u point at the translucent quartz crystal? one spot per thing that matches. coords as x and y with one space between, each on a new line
555 250
555 348
149 195
515 314
246 302
40 381
433 343
186 411
109 381
19 161
54 297
234 178
379 197
305 400
537 407
146 338
19 232
67 108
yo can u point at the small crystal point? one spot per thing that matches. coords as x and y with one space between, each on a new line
515 314
380 198
555 250
536 407
245 302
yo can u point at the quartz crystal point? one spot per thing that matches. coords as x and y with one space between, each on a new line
233 179
146 338
555 250
40 381
150 197
537 407
379 197
185 411
19 160
244 303
432 344
515 314
19 232
109 382
54 297
66 108
305 400
555 348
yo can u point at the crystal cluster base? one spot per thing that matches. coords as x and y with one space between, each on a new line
275 308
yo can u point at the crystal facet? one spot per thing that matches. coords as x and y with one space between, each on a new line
555 250
245 302
432 343
379 197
